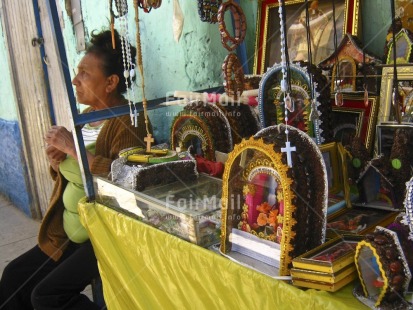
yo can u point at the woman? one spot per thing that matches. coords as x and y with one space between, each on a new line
53 274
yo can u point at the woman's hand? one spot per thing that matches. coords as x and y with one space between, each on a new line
55 156
61 139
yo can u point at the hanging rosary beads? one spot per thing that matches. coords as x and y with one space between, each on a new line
148 139
285 85
128 65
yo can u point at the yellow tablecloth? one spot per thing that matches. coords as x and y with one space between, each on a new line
144 268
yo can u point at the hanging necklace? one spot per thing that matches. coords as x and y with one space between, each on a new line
128 65
285 81
395 96
314 116
148 139
338 97
366 93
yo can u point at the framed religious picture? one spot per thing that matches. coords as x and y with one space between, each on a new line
268 43
404 11
385 136
331 160
357 220
404 44
405 87
332 256
355 118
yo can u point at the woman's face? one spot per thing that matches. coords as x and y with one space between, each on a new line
91 82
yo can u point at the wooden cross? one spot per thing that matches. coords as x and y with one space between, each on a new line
148 139
288 149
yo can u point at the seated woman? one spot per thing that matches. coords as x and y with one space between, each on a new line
53 274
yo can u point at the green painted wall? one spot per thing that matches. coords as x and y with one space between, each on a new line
376 20
8 110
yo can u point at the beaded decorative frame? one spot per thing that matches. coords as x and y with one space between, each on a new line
273 162
271 111
391 263
186 127
304 187
408 204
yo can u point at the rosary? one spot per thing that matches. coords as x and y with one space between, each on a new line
128 65
285 85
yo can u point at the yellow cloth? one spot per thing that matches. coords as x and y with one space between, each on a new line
144 268
73 192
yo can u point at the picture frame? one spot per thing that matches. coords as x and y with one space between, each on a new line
358 220
313 259
405 81
385 136
355 118
404 11
404 46
268 39
330 156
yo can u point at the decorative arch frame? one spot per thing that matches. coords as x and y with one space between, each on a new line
200 130
274 159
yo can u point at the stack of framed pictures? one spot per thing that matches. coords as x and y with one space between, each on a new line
328 267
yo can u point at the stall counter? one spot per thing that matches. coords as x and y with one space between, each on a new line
144 268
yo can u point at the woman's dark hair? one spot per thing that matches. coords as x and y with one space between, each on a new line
112 61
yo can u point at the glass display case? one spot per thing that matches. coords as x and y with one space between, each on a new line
189 211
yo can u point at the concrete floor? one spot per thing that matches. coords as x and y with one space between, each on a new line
18 233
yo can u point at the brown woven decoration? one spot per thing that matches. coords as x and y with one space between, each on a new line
233 75
240 25
208 10
148 5
383 270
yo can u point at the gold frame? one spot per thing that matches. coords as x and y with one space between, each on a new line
383 290
275 158
331 149
386 90
353 73
406 54
367 116
351 20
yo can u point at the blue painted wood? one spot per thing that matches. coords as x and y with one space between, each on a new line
242 50
13 172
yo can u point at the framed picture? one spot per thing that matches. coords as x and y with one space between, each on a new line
404 45
332 256
405 87
330 156
385 136
268 44
404 10
358 220
354 118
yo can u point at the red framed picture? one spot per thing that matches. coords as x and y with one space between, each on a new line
355 118
268 45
